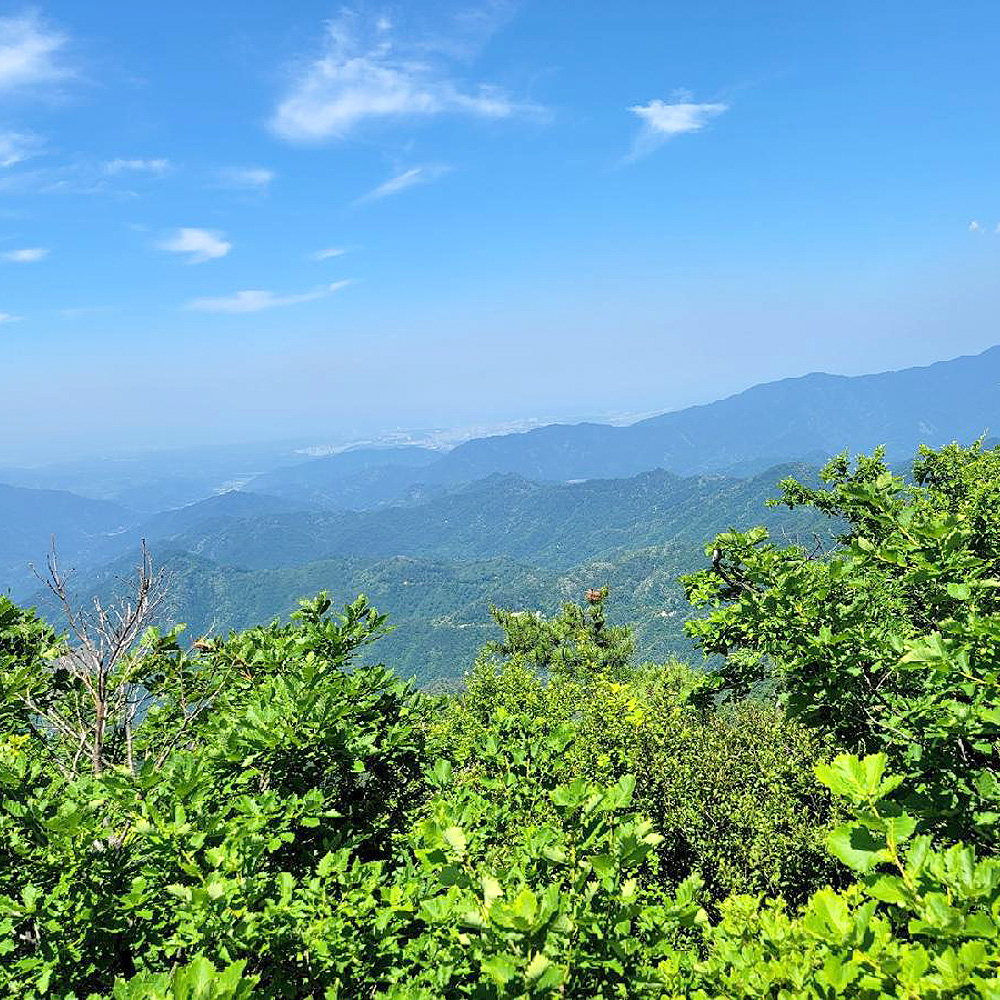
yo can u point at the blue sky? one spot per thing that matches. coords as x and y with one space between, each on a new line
231 221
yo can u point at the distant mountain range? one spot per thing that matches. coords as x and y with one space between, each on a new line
520 519
805 419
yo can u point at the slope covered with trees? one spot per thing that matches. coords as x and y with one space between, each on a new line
262 815
436 566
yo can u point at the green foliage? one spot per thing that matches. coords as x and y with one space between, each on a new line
576 642
285 819
198 980
890 642
198 851
731 792
920 923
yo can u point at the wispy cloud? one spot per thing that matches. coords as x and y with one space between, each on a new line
364 75
29 255
248 178
80 175
17 146
407 179
8 318
662 121
976 226
255 300
199 244
157 168
30 53
327 254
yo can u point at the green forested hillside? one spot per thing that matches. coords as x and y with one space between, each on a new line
266 815
437 566
440 609
556 525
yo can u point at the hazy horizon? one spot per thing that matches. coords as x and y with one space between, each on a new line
443 437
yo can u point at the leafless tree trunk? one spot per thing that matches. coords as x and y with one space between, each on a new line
100 659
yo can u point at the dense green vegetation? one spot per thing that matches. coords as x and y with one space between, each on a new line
272 814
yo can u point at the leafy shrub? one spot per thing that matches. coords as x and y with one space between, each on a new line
891 642
921 922
731 791
199 850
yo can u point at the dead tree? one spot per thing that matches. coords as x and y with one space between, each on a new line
100 698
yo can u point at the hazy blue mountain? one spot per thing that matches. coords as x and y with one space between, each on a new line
793 419
803 420
357 479
90 532
203 515
30 519
152 481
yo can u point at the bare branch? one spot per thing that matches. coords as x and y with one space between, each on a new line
101 644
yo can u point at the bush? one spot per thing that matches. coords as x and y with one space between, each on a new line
731 791
892 641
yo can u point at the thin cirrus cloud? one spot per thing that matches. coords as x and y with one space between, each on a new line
16 147
155 168
199 244
355 80
662 121
31 53
246 178
28 255
327 253
256 300
8 318
403 181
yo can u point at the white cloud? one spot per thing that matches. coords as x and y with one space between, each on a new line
247 177
662 121
8 318
407 179
155 167
255 300
355 80
29 53
17 146
328 253
975 226
201 244
29 255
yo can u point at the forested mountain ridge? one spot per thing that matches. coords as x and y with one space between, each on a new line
437 566
440 608
550 524
793 419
